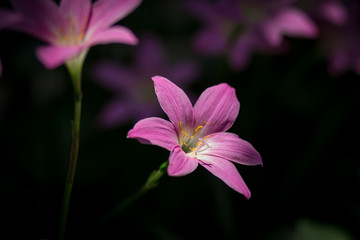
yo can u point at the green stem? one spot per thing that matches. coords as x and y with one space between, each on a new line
151 182
74 67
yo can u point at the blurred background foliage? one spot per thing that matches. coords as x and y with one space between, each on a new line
300 117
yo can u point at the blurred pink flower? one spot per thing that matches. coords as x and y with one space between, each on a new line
341 46
196 135
134 97
339 34
330 11
74 26
241 28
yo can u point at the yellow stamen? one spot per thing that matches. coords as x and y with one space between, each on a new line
184 134
182 140
206 137
80 37
197 129
182 129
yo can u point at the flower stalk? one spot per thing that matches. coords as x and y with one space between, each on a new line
151 182
74 67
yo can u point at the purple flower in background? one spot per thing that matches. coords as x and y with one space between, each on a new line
341 46
339 34
74 26
134 97
331 11
244 27
196 135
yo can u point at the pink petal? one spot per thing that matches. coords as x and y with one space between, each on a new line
334 12
76 15
117 34
53 56
226 171
230 147
290 22
41 18
174 102
155 131
180 164
218 107
107 12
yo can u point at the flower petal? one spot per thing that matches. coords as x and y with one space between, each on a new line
226 171
107 12
334 12
290 22
53 56
174 102
41 18
180 164
155 131
230 147
218 107
76 15
117 34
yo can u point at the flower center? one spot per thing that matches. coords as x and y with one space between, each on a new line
74 34
191 144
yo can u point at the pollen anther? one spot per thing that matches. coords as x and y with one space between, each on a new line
197 129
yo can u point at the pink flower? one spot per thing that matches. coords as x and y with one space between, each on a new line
74 26
241 28
196 135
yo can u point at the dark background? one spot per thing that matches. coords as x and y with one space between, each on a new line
302 120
